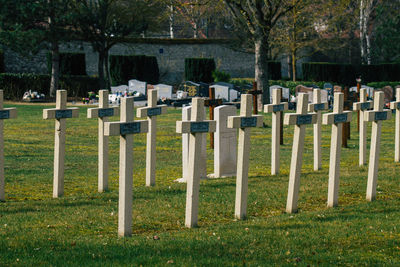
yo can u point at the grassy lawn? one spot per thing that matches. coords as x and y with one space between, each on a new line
80 229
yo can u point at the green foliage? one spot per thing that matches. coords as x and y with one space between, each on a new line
140 67
2 67
15 85
221 76
199 69
70 63
383 84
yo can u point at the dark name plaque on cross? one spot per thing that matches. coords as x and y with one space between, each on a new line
106 112
365 106
277 108
63 113
340 118
129 128
154 111
398 105
304 119
320 106
248 122
199 127
381 116
4 114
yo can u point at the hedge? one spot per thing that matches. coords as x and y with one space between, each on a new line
70 63
380 72
2 66
15 85
199 69
274 70
140 67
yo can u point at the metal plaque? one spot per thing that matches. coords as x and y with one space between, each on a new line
246 122
63 113
199 127
277 108
129 128
304 119
106 112
153 112
365 106
380 115
398 105
320 106
4 114
340 118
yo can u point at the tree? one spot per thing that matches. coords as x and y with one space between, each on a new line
258 18
27 26
366 9
104 23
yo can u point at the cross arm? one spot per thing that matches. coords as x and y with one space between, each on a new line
54 113
299 119
276 107
335 118
149 112
124 128
8 113
206 126
372 115
362 105
212 102
317 106
102 112
394 105
245 122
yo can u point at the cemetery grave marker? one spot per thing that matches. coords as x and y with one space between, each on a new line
164 91
125 128
102 113
396 106
255 94
300 119
336 118
277 109
317 106
60 113
212 103
197 127
376 117
244 122
151 112
5 113
361 107
138 86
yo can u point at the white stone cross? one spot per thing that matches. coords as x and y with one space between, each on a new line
336 118
197 127
5 113
317 106
376 116
362 106
151 112
125 128
300 119
60 113
102 113
244 122
396 106
277 109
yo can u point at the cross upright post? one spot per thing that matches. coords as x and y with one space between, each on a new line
337 118
361 107
125 128
197 127
5 113
277 109
376 117
396 106
255 93
244 122
317 106
300 119
60 113
102 113
212 103
151 112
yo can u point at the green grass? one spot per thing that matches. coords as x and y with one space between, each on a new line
80 229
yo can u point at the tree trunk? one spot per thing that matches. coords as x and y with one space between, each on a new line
171 22
100 69
55 68
362 18
107 71
261 69
289 63
294 61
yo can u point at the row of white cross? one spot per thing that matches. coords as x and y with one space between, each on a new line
197 127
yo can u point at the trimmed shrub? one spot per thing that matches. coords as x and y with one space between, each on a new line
140 67
199 69
274 70
70 63
15 85
2 66
322 71
380 72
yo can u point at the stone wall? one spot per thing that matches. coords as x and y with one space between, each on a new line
170 57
